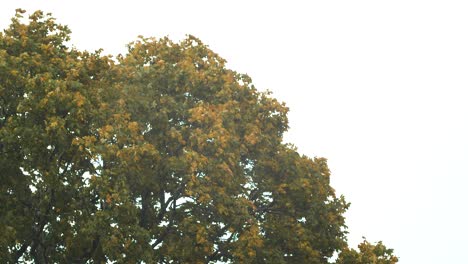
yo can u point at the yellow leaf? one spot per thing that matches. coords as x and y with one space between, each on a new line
79 99
108 199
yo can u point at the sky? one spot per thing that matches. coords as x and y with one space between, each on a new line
379 88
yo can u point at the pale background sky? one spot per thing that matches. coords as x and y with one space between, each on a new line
377 87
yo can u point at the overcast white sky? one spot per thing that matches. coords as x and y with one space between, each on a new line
377 87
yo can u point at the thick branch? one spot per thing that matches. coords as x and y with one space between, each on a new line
165 204
221 246
172 200
145 207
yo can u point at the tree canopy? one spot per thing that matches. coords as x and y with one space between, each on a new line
161 155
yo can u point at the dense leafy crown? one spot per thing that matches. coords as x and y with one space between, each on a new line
160 156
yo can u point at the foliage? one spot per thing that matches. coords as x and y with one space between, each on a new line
163 155
368 253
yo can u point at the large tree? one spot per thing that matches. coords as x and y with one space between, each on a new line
160 156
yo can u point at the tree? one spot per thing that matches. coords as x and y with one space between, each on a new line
368 253
162 156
